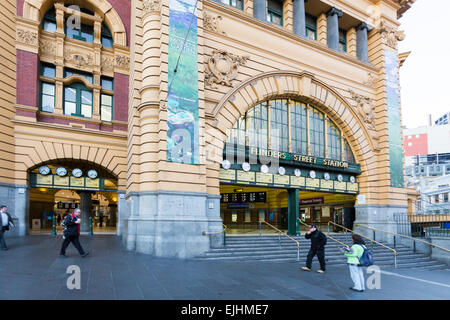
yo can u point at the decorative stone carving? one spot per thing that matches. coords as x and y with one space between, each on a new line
391 36
47 47
122 61
372 80
211 23
80 59
27 37
365 108
151 6
107 63
223 68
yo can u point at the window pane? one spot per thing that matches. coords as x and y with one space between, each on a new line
107 42
310 34
106 113
86 110
87 32
48 89
107 84
106 100
70 108
49 26
86 97
48 103
70 94
72 32
48 71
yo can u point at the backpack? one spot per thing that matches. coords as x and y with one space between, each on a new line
366 259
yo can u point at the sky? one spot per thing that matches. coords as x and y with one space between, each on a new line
424 77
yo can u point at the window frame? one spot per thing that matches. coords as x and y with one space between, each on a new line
311 27
272 11
343 40
79 87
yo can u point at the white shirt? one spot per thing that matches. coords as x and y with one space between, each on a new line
4 219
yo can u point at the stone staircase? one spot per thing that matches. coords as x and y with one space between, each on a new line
269 248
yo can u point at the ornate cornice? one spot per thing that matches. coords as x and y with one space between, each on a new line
365 108
222 68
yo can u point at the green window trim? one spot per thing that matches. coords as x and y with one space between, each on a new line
317 133
343 40
47 96
76 101
49 20
274 13
311 27
104 105
258 126
106 37
299 127
333 141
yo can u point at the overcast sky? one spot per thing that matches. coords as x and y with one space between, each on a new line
424 77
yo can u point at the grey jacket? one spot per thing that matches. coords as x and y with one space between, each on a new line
10 220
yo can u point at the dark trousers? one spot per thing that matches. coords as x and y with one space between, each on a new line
2 239
76 242
320 252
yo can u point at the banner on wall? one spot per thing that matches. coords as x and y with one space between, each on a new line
182 101
393 107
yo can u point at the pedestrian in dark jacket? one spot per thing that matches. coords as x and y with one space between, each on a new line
318 242
5 222
71 226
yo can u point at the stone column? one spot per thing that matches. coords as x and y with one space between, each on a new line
362 47
299 18
86 208
333 28
260 9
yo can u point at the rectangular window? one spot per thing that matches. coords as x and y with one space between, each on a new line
47 97
333 141
86 103
299 133
279 125
47 70
311 27
258 126
445 197
106 107
70 101
234 3
107 83
317 133
275 12
342 40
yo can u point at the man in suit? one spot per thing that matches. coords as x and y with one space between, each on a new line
5 222
72 233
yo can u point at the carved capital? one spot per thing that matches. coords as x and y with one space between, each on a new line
365 108
26 36
211 23
390 36
151 6
223 68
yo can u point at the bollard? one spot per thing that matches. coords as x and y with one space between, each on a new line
54 225
90 226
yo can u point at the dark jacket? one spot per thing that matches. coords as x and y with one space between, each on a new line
10 220
318 239
70 227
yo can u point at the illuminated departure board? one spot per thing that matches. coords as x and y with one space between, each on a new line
243 197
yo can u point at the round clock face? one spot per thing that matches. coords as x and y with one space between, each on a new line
92 174
281 170
246 166
77 173
352 179
44 170
312 174
326 175
340 178
264 169
226 164
61 171
297 172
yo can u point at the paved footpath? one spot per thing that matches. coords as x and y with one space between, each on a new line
32 269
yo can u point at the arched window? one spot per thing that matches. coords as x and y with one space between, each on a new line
107 39
289 126
49 20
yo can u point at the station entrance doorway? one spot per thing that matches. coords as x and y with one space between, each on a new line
58 188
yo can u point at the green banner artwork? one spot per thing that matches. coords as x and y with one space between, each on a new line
393 106
182 102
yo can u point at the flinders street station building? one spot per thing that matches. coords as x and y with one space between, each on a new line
166 121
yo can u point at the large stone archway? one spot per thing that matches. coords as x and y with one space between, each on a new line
299 85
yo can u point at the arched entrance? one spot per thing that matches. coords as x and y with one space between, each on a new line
58 187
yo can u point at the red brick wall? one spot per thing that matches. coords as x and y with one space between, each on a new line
120 97
27 78
123 8
20 7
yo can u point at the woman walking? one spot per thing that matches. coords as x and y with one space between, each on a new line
353 256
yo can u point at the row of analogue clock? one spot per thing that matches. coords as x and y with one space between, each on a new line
282 171
62 172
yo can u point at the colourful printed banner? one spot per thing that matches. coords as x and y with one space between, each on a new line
393 107
182 102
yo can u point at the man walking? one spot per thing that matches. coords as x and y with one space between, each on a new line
71 226
318 242
5 222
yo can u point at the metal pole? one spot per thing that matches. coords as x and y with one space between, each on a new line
298 253
395 261
53 225
224 238
414 245
260 229
90 226
374 235
394 241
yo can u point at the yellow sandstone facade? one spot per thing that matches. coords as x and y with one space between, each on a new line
164 206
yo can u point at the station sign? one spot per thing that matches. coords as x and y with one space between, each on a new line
54 181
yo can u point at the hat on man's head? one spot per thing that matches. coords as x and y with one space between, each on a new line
312 226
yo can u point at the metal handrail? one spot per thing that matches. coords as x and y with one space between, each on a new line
404 236
373 241
326 235
279 238
219 232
